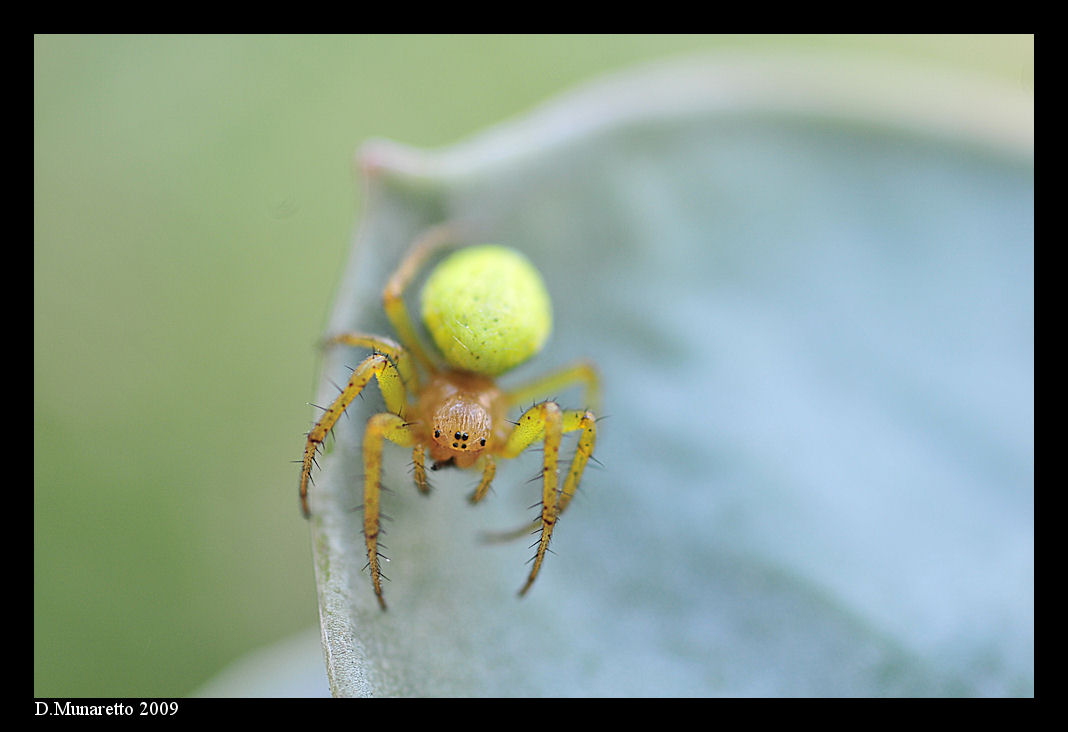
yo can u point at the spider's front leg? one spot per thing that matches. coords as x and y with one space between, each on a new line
380 427
380 344
378 365
547 422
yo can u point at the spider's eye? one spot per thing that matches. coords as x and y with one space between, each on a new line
464 438
482 442
437 433
457 436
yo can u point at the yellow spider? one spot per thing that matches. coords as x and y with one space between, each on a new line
487 310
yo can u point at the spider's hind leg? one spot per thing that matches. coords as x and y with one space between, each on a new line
431 241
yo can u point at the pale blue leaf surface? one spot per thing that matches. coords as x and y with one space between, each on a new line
811 292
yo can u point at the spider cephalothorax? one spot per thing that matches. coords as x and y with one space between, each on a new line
487 310
462 410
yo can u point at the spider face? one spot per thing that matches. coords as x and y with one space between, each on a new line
487 310
459 411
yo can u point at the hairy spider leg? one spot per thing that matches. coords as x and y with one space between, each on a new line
547 422
393 295
410 376
377 365
381 344
580 372
381 427
419 467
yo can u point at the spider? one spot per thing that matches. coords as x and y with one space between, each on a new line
487 310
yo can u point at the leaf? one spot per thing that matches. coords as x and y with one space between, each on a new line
810 288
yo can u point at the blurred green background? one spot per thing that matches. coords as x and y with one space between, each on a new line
194 199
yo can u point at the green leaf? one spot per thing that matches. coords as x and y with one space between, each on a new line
810 288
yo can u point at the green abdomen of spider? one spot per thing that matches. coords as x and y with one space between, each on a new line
487 309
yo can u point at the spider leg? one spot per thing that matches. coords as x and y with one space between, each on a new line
580 372
393 296
409 375
380 427
489 469
419 463
382 345
585 421
547 422
378 366
573 420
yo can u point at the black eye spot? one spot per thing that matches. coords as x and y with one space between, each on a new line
457 435
482 442
454 444
437 433
465 436
464 446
